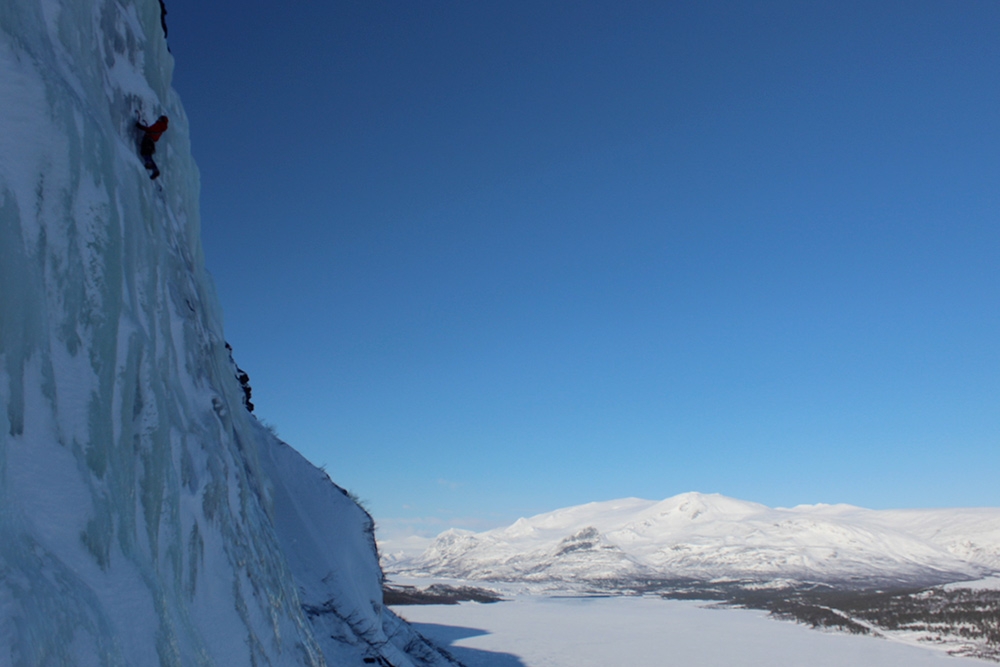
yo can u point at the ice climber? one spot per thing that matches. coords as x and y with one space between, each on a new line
147 145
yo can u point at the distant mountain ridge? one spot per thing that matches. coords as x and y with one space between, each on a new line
710 538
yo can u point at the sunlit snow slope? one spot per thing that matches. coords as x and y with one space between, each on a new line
707 537
145 517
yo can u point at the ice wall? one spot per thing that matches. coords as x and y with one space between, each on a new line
138 498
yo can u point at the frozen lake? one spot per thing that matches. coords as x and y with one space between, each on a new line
534 631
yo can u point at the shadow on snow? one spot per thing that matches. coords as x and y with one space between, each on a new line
447 635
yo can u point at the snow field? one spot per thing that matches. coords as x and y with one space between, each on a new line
534 631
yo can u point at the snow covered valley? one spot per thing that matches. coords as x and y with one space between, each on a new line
643 582
536 631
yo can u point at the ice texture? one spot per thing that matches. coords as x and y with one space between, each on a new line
138 498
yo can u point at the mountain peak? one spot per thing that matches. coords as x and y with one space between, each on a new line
698 536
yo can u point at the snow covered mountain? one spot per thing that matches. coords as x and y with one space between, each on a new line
145 516
704 538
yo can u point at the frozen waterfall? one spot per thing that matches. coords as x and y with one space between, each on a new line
145 517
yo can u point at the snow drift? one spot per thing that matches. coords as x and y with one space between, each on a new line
145 517
705 538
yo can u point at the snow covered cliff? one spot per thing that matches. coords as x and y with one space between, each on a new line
145 517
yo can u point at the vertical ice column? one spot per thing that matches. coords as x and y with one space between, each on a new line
145 517
134 523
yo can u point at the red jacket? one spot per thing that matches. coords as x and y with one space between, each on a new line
156 130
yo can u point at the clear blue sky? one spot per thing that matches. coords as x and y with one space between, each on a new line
487 259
